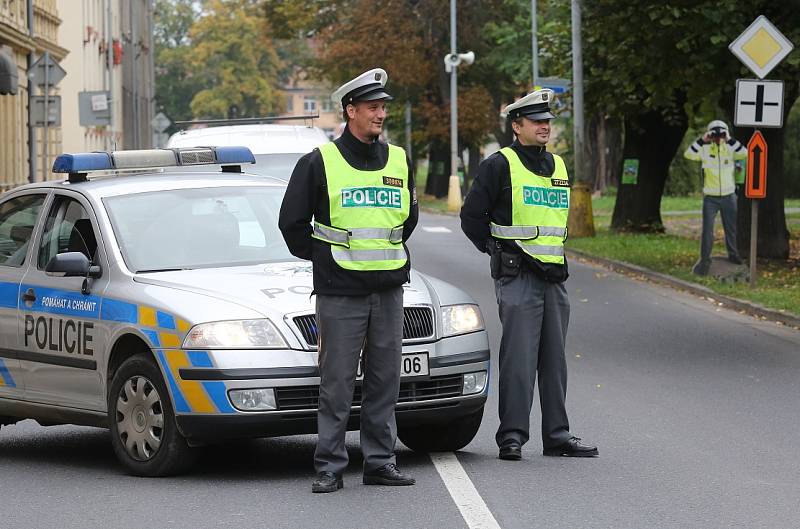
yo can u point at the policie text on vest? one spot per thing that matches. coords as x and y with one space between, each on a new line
371 197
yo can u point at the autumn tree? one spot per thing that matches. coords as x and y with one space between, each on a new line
232 47
175 81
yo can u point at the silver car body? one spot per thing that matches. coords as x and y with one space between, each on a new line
58 352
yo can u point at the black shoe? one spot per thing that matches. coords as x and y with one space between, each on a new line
511 452
327 482
735 259
387 475
701 268
572 448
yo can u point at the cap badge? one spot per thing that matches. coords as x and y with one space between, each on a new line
544 96
377 76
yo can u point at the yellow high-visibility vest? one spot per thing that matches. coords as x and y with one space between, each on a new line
539 209
368 209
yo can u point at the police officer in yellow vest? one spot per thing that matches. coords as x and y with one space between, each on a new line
718 153
517 212
360 194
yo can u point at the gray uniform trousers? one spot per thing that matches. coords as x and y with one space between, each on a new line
346 324
726 205
534 314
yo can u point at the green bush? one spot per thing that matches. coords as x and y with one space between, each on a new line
684 175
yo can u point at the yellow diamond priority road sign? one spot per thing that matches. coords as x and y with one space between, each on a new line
761 46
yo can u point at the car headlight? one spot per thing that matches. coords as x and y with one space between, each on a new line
237 334
461 319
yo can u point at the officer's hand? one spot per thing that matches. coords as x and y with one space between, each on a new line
706 138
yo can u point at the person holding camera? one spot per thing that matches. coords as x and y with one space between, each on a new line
516 211
718 153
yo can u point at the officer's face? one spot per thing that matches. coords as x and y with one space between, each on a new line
532 131
366 119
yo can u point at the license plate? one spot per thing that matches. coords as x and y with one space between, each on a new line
411 365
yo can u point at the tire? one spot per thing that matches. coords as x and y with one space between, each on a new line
144 435
445 437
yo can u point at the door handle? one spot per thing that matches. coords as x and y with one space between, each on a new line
30 295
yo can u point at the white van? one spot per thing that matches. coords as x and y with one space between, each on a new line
276 147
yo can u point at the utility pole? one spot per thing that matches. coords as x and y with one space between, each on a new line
451 63
581 220
454 187
534 44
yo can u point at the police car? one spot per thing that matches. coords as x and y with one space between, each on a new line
167 308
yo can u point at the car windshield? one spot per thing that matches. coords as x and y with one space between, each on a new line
198 228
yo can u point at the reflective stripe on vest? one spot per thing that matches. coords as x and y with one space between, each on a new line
367 211
526 232
343 237
345 254
539 210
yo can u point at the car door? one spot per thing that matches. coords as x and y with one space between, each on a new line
61 337
18 218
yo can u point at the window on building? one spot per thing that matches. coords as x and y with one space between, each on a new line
290 103
327 105
309 104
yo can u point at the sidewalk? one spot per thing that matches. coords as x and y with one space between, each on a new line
748 307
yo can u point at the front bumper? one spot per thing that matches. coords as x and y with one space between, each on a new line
435 398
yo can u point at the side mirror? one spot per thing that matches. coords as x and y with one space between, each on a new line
72 264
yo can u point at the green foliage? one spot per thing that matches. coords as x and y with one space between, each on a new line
175 82
212 55
684 175
232 48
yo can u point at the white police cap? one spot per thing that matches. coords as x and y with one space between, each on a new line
717 126
535 105
368 86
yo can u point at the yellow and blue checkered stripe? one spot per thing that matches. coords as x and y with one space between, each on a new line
165 334
5 376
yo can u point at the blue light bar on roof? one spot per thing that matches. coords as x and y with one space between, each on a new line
81 163
232 155
151 158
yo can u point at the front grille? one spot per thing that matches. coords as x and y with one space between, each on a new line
417 324
307 397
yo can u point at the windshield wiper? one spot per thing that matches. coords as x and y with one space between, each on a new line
161 270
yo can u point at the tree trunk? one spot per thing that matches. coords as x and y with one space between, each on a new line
653 140
773 235
603 150
438 170
472 168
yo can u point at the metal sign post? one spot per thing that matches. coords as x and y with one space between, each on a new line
46 73
758 104
755 189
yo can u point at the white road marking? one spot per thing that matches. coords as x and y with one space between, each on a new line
469 502
436 229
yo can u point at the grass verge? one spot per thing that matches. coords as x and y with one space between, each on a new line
778 281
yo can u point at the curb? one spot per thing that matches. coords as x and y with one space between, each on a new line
748 307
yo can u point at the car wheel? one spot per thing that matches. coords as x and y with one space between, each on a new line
445 437
143 431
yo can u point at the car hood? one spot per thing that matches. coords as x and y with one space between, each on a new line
271 289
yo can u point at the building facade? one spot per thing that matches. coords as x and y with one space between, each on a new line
28 29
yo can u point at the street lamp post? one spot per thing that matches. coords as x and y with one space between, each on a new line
451 62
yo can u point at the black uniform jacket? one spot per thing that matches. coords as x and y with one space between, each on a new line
490 200
307 197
